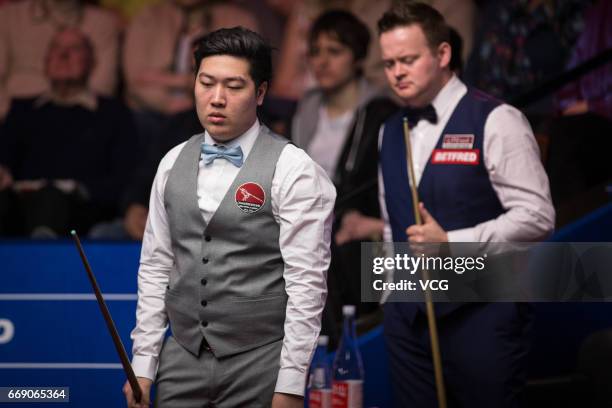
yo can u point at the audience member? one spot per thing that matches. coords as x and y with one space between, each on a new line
293 79
333 124
26 28
157 56
135 202
65 154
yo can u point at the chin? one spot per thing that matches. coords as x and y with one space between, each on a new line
220 133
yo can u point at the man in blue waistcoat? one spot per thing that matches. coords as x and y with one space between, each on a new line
479 179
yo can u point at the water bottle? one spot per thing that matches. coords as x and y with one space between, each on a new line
319 395
347 383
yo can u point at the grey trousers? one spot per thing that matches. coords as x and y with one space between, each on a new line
243 380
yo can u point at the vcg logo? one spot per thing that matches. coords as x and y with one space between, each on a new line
7 331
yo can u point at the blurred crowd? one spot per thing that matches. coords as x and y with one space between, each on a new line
94 93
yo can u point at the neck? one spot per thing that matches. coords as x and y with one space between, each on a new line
342 99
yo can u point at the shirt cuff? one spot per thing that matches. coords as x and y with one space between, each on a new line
145 366
291 381
461 235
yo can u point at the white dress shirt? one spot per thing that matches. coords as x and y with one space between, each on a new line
302 204
512 158
329 139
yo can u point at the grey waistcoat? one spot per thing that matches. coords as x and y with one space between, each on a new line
227 284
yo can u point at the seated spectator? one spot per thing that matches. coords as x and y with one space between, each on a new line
26 29
64 155
135 202
337 123
158 61
338 46
292 78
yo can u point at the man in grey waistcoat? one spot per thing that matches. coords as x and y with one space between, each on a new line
235 250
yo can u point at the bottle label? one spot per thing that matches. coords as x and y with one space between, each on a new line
321 398
347 394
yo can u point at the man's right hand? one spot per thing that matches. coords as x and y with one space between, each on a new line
6 178
145 387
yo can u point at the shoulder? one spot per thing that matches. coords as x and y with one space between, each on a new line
294 160
298 175
167 162
504 115
22 104
310 101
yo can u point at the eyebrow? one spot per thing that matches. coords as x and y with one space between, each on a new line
228 79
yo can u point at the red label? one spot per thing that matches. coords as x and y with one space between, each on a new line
250 197
458 141
456 156
347 394
319 399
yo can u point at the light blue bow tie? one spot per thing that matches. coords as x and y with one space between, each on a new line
233 155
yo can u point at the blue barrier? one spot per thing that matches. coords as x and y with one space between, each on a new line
60 338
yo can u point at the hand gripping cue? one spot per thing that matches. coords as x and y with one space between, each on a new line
125 362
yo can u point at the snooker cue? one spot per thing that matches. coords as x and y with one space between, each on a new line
431 317
125 362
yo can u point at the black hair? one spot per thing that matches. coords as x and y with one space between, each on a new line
405 13
346 28
238 42
456 43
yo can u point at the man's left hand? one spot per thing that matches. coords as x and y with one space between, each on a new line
281 400
429 231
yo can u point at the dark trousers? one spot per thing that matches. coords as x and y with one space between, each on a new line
484 351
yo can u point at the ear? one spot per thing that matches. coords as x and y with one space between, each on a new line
444 54
261 92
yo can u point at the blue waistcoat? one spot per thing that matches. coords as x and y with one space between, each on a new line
457 194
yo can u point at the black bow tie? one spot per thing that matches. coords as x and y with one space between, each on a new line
415 114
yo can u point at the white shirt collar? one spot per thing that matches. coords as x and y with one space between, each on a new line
444 100
245 140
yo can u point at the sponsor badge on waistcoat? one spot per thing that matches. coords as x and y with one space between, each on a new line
458 141
250 197
456 156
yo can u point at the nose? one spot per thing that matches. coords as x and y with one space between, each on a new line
398 71
318 61
218 99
